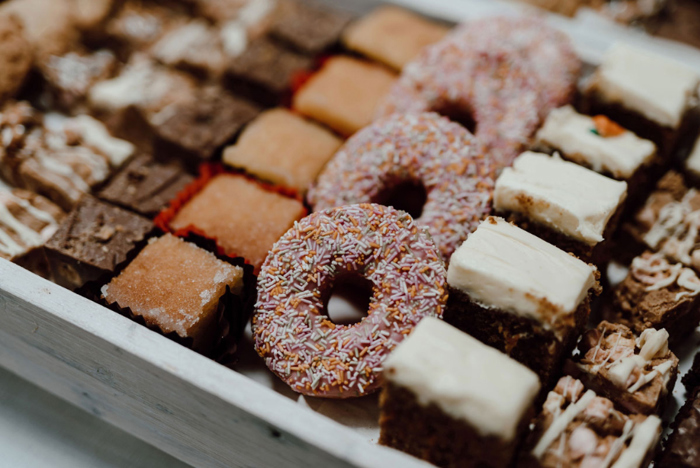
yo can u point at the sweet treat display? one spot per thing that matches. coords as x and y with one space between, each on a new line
568 205
145 185
669 220
92 241
519 294
637 373
392 35
657 294
27 221
344 94
495 79
646 93
244 217
70 77
177 287
680 448
284 148
599 144
264 71
292 331
307 27
577 428
454 401
426 148
200 125
15 55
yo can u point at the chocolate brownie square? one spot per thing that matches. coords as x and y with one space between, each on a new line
657 294
177 287
92 241
454 401
284 148
521 295
565 204
392 35
264 71
578 428
637 373
344 94
145 185
197 127
307 27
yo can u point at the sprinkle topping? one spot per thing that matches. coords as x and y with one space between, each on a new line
293 334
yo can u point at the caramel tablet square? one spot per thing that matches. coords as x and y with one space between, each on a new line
283 148
176 286
344 94
245 218
392 35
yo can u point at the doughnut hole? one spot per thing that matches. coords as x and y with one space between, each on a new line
409 196
348 299
458 114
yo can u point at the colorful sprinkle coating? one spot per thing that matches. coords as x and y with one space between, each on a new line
292 332
508 73
425 148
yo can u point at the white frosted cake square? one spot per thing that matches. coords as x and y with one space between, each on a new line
562 196
441 377
595 142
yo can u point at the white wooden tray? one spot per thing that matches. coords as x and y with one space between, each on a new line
193 408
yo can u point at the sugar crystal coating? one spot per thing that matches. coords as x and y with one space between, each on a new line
293 334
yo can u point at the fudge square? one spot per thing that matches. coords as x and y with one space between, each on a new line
601 145
283 148
581 429
637 373
454 401
245 218
344 94
177 287
92 241
567 205
646 93
681 446
657 294
519 294
392 35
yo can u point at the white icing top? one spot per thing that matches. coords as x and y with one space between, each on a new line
465 378
644 438
234 38
693 161
654 86
559 194
192 37
571 133
95 134
505 267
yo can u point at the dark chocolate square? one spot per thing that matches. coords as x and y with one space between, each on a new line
93 240
264 72
308 28
146 186
197 127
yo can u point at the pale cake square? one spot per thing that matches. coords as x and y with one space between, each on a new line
392 35
344 94
283 148
244 217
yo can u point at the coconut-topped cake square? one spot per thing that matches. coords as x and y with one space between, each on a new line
283 148
244 217
443 382
562 202
595 142
177 287
519 294
657 88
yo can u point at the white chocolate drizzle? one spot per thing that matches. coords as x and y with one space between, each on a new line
560 423
677 224
28 238
656 273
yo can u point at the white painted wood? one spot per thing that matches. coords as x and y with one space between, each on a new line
187 405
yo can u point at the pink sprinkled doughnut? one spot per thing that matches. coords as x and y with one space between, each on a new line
425 148
292 333
506 72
